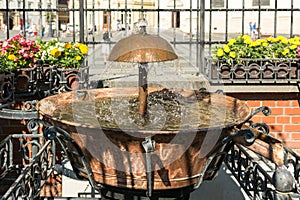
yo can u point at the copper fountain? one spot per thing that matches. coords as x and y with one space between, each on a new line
136 159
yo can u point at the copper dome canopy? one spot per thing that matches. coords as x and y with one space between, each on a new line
142 48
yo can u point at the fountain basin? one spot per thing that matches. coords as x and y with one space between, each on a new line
116 155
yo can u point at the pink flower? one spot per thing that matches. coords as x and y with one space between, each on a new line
26 55
5 44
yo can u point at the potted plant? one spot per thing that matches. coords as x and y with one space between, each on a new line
65 61
244 58
19 55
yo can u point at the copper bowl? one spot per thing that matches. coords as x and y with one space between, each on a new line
116 156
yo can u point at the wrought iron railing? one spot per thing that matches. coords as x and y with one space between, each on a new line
29 158
257 176
253 71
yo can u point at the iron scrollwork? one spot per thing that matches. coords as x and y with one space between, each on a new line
34 164
6 87
274 182
44 80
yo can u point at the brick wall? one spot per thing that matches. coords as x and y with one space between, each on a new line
284 121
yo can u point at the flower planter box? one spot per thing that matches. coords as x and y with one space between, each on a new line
45 80
66 79
281 71
25 80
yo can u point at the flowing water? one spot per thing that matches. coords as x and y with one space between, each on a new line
166 110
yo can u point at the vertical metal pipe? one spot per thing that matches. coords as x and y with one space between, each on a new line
126 25
86 22
275 18
198 34
143 88
24 20
210 25
202 36
81 21
142 10
259 18
57 20
41 17
174 23
226 21
108 17
94 21
191 31
7 19
191 17
50 19
74 33
243 18
158 16
292 18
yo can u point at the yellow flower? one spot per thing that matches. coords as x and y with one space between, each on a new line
83 49
248 40
284 41
242 53
232 54
265 44
231 42
226 48
272 39
254 44
220 52
11 57
280 37
246 37
292 47
78 57
68 45
285 51
55 52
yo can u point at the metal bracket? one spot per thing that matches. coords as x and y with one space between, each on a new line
149 146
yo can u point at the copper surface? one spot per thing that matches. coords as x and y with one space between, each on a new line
142 48
99 145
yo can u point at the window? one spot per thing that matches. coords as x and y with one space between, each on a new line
262 2
218 3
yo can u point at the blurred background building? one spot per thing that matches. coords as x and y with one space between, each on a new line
115 14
